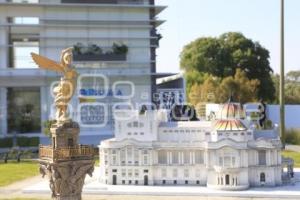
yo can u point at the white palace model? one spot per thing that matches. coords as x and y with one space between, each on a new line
228 152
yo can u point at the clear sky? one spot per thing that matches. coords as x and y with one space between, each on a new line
259 20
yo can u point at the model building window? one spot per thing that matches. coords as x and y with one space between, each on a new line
136 172
175 173
136 156
123 156
262 177
199 157
262 157
186 173
130 172
163 172
24 110
123 172
129 154
175 155
186 156
162 157
145 160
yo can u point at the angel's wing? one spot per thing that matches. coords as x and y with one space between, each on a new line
46 63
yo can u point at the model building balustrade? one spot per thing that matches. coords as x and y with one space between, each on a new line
66 153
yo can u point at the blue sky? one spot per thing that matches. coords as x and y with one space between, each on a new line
187 20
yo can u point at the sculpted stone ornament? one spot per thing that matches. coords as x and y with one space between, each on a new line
65 162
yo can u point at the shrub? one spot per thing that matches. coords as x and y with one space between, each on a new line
6 142
28 141
292 136
119 48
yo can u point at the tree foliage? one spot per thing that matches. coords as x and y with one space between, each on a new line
219 90
222 56
291 87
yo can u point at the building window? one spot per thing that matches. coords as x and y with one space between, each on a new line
136 182
114 170
175 182
197 182
24 20
129 182
123 182
163 181
262 157
262 177
24 110
186 182
23 1
146 170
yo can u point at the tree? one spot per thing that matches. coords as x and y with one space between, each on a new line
291 88
240 87
219 90
205 92
222 56
293 75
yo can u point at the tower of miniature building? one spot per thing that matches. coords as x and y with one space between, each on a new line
65 162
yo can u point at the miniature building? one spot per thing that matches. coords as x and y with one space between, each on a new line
227 153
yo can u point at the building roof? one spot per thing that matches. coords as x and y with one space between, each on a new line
229 125
231 110
185 124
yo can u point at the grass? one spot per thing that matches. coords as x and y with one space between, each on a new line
294 155
12 171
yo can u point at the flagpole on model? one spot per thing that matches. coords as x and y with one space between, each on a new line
281 98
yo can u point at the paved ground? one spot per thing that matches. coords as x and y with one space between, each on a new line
92 191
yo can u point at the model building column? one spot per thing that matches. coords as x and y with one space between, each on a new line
3 111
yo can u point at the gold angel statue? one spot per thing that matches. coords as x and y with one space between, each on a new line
64 91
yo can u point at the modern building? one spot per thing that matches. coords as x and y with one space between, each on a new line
228 152
121 35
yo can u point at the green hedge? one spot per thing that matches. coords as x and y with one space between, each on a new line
28 141
21 141
6 142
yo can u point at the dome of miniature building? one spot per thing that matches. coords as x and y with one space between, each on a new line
231 110
229 125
